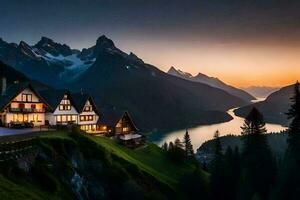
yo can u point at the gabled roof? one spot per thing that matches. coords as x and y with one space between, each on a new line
111 117
78 100
14 90
54 97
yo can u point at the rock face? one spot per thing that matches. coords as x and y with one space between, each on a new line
155 99
212 81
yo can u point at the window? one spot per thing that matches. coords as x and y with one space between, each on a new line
86 117
125 129
65 118
27 97
65 104
88 109
35 118
58 118
73 118
64 107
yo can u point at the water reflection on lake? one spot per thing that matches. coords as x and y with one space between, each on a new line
203 133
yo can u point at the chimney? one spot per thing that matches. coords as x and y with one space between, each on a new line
3 91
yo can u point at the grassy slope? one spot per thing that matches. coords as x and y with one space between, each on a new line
150 159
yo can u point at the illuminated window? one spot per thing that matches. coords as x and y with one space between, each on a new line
27 97
88 109
58 118
35 117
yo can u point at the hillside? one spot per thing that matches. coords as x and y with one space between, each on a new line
212 81
66 169
274 107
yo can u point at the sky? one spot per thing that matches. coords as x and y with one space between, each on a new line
242 42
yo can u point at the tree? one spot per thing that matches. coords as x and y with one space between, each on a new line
165 146
188 147
290 175
171 146
294 128
175 151
178 143
218 181
258 166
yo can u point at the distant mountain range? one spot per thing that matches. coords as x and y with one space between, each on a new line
260 91
212 81
47 61
274 107
156 100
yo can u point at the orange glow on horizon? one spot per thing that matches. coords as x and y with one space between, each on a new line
237 64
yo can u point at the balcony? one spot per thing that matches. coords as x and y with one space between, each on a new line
26 110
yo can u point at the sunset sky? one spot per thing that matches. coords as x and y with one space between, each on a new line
254 42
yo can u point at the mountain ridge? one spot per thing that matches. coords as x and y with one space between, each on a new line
274 107
212 81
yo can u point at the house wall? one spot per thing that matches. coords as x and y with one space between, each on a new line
26 113
50 118
37 119
65 114
88 113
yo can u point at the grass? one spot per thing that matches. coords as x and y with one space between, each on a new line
150 159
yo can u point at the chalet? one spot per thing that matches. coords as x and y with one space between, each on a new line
62 109
21 105
88 114
116 122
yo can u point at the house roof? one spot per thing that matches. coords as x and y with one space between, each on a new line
53 97
13 90
78 100
111 117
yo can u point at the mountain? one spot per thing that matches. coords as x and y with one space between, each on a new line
214 82
46 61
156 100
274 107
260 91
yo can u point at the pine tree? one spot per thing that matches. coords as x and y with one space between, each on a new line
188 147
217 172
258 165
294 128
171 146
165 146
178 143
290 189
218 146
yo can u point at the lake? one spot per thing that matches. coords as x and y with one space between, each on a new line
202 133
